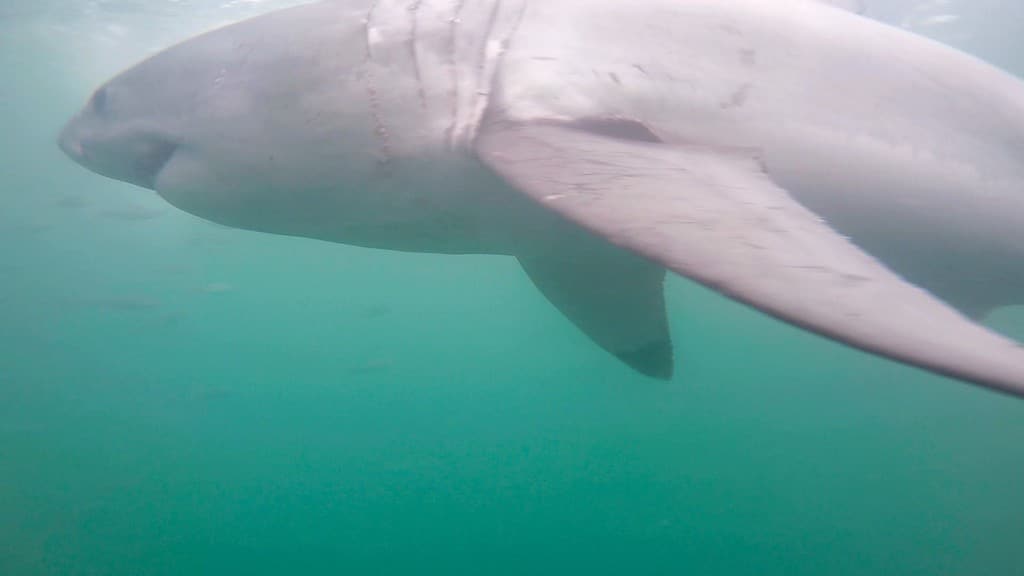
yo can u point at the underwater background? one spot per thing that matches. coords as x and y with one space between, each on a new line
182 398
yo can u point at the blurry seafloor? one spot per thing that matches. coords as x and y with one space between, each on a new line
177 398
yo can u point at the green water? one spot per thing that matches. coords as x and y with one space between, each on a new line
178 398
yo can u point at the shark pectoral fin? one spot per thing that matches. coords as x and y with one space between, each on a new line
715 216
615 297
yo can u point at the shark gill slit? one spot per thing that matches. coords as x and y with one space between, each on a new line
452 66
482 77
414 26
379 129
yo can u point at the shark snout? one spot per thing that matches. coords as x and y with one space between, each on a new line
134 158
70 144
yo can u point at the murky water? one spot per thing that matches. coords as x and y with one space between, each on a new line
182 398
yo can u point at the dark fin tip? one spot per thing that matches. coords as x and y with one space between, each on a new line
654 360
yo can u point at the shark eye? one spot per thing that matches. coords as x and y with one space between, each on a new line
99 101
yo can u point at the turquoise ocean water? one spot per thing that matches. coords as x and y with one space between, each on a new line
179 398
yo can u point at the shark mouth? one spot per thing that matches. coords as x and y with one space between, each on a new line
148 165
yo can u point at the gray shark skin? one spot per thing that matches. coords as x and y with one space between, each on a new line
841 175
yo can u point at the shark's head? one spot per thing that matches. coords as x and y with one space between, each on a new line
282 123
239 124
116 136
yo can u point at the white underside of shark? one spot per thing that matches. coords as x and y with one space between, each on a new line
842 175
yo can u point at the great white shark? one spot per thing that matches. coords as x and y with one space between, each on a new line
842 175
